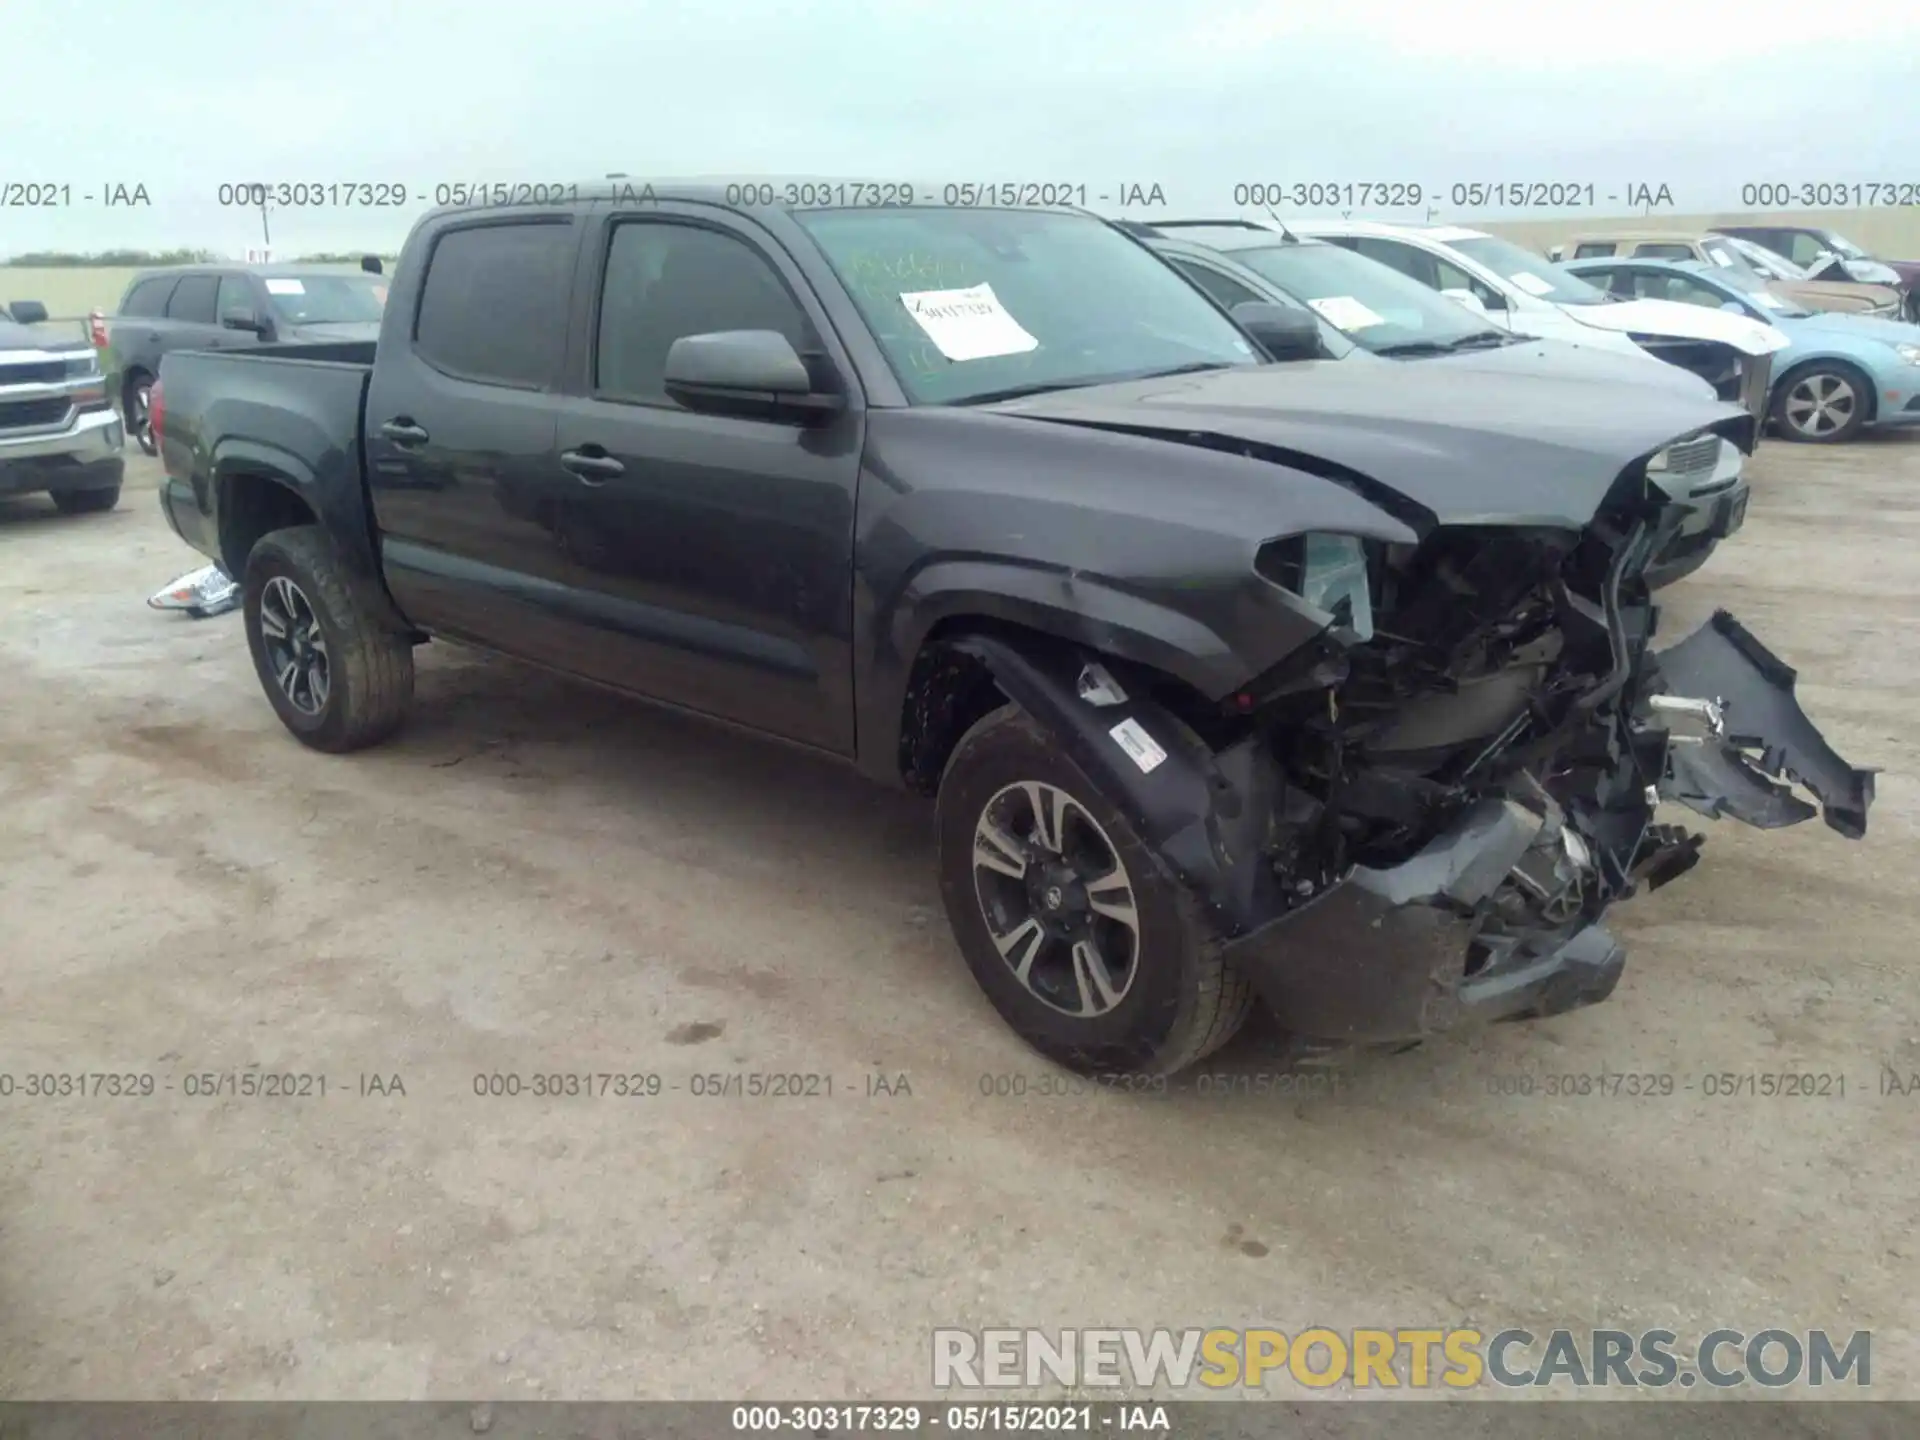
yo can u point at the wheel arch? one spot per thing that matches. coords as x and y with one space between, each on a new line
1832 359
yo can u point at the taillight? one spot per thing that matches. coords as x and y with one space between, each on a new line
97 328
156 412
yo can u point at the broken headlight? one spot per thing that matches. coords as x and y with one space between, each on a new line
1329 572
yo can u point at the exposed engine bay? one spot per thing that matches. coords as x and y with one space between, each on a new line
1424 813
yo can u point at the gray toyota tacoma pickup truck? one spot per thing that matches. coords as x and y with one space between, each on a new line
59 434
1230 677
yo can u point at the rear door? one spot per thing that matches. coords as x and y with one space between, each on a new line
134 334
713 553
459 431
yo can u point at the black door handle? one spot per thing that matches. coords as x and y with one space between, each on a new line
591 468
403 431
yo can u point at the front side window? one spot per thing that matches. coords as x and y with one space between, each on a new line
971 304
192 300
664 281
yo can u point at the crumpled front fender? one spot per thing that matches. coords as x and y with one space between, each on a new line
1205 816
1754 734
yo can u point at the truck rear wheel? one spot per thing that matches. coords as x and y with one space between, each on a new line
336 677
1081 941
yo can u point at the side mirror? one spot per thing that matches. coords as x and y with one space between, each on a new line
755 374
240 318
28 312
1280 330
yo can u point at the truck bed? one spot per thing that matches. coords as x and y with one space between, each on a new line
300 407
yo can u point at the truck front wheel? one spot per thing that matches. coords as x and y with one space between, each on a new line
1079 938
336 677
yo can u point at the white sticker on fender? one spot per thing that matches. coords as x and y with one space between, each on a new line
968 324
1139 745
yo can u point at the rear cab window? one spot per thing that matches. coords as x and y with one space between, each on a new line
493 305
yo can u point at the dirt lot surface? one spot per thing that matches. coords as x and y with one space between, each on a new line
537 879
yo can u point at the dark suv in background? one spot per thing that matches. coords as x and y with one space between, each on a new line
215 307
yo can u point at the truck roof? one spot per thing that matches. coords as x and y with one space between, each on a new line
769 192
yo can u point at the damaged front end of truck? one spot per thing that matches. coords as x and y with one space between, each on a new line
1419 818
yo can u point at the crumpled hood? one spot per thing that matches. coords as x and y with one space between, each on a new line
1536 357
1693 322
1464 445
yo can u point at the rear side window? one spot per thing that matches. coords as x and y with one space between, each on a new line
494 305
1588 248
1663 252
193 299
149 297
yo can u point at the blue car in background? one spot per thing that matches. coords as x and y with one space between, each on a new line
1840 373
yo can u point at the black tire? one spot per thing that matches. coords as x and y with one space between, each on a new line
135 412
1802 385
368 667
1181 1001
86 502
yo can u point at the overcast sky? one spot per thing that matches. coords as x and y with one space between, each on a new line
1197 96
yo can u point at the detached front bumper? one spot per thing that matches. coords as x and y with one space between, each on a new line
1399 954
1390 956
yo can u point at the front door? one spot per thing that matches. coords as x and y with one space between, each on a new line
715 553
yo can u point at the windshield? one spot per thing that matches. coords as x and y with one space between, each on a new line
1375 304
1765 261
326 299
1754 287
1527 272
968 304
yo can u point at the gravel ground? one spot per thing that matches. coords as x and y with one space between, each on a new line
536 878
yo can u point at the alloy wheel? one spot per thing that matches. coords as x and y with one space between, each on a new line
1057 899
296 649
140 420
1820 403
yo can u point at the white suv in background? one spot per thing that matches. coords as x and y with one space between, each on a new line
1527 294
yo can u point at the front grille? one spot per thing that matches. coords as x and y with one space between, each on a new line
34 372
38 414
1694 459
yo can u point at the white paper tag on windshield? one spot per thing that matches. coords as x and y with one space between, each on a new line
1532 284
1140 746
1772 302
967 324
1345 313
285 287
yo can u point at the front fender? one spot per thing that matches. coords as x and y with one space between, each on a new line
1204 816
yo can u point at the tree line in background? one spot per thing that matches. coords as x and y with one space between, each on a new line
143 259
